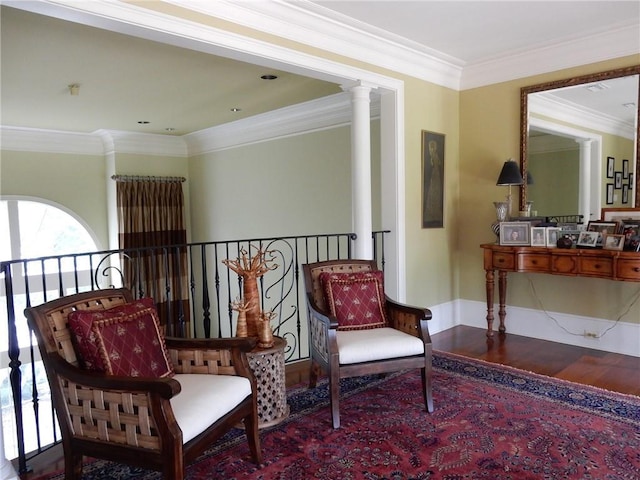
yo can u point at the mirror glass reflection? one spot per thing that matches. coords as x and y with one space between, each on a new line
570 130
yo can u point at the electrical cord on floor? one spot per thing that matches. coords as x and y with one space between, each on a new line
634 299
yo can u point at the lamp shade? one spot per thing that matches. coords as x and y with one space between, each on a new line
529 178
510 174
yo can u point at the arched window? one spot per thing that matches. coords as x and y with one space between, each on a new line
38 229
32 228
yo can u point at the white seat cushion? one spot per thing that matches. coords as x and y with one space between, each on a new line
358 346
204 399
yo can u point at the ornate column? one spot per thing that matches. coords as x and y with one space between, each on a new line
361 170
584 184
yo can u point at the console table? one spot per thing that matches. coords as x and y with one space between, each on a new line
577 262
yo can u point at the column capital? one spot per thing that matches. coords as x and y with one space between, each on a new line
358 85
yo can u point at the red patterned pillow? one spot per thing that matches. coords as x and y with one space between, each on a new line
355 299
123 340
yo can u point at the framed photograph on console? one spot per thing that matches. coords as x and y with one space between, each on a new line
603 228
588 239
538 237
630 230
612 241
553 234
514 233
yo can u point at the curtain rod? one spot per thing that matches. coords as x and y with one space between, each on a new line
139 178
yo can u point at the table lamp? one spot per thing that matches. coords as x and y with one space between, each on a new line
510 175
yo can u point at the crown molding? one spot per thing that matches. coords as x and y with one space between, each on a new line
579 116
549 58
116 141
324 113
311 24
328 112
50 141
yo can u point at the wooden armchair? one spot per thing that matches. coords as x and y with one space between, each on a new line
403 344
154 423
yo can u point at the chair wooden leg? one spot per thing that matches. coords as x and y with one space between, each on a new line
314 373
427 382
72 465
173 466
334 394
253 437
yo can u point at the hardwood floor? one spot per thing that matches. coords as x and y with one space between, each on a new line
611 371
619 373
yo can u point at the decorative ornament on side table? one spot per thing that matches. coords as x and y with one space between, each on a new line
258 323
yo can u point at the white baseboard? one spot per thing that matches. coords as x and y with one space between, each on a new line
623 338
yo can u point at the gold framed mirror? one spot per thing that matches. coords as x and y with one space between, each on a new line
589 120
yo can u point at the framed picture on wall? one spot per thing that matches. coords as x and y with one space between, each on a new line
432 179
620 214
611 165
625 193
609 193
618 180
625 168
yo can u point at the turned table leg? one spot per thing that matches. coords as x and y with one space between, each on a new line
490 287
502 295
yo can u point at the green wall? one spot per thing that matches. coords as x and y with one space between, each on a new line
296 185
75 182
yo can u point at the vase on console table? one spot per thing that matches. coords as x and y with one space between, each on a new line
502 213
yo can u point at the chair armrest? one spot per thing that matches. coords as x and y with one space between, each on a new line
319 315
420 312
164 387
409 319
113 410
212 356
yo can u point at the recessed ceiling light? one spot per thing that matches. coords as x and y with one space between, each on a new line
596 87
143 122
236 109
169 129
269 77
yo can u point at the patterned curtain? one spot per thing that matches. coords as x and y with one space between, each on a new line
151 222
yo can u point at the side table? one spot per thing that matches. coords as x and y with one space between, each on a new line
267 365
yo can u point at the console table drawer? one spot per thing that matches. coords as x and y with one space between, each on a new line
504 261
596 266
628 269
534 263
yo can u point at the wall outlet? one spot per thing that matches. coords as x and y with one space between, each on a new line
590 334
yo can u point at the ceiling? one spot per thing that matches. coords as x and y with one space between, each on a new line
124 80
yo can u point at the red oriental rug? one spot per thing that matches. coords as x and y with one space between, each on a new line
491 422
